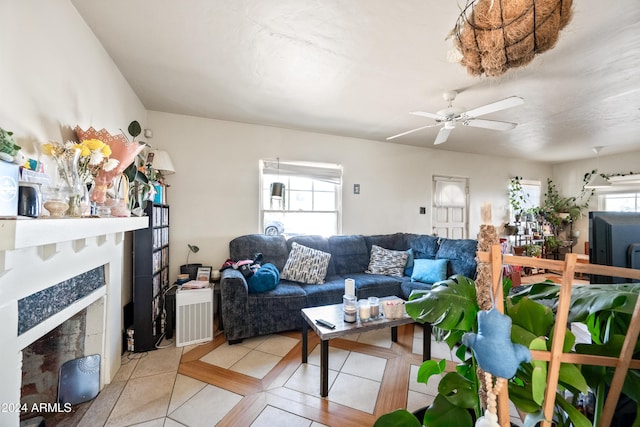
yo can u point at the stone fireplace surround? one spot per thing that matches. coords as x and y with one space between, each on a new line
36 254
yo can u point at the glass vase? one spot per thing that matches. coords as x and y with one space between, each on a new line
75 189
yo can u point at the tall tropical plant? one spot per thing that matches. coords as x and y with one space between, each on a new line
451 307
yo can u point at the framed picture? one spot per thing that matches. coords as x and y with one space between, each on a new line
204 274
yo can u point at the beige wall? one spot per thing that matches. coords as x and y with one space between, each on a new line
214 192
56 75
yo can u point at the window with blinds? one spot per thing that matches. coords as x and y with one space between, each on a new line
309 203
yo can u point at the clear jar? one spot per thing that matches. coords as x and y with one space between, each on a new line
350 308
364 309
374 304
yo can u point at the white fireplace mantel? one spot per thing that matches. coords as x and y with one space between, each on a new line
23 233
36 254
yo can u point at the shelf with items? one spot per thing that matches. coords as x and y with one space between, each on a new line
151 277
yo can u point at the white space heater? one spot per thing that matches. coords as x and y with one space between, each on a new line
194 316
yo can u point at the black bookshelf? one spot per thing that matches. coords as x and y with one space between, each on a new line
150 277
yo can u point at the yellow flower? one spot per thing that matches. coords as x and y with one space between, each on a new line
106 150
84 150
47 149
93 144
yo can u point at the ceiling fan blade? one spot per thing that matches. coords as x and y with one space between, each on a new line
512 101
489 124
443 135
411 131
429 115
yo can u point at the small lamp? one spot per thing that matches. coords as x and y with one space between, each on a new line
277 190
160 160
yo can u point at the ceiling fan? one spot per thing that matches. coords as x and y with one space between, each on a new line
451 116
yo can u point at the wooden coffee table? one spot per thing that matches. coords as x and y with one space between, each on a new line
334 314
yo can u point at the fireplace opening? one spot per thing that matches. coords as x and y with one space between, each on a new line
80 334
41 362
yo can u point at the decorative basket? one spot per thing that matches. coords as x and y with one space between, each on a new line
393 309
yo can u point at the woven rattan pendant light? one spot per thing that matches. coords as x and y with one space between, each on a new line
495 35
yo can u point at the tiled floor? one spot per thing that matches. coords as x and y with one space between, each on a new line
261 382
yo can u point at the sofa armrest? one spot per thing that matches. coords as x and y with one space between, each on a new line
234 293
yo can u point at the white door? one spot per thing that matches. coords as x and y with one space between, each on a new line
450 207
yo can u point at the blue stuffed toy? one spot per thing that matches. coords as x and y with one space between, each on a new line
492 345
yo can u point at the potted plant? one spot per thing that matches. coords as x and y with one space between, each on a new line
451 307
533 250
191 269
517 197
560 211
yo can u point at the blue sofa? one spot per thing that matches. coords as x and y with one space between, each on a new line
246 314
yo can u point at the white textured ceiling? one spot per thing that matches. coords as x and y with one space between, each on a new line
357 67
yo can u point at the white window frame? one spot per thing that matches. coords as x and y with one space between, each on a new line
285 169
635 190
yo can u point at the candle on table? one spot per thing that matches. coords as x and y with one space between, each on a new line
374 303
365 310
349 287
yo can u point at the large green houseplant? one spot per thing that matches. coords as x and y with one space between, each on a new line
451 307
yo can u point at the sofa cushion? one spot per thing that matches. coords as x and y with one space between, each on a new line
423 245
408 268
396 241
387 262
320 243
330 292
273 248
461 254
349 254
408 286
306 265
429 270
376 285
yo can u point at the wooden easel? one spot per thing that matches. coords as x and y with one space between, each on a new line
556 356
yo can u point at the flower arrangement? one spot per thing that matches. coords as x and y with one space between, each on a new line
123 150
93 157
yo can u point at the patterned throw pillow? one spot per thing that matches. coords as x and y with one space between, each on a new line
387 262
306 265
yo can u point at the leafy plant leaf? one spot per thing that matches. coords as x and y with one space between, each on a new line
594 298
443 413
539 374
429 368
571 377
458 390
532 316
520 335
398 418
522 397
450 305
134 129
576 417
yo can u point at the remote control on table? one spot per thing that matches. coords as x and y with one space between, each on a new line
323 322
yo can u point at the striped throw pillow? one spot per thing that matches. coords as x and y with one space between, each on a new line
387 262
306 265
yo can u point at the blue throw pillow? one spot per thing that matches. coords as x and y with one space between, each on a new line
408 269
265 279
429 270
